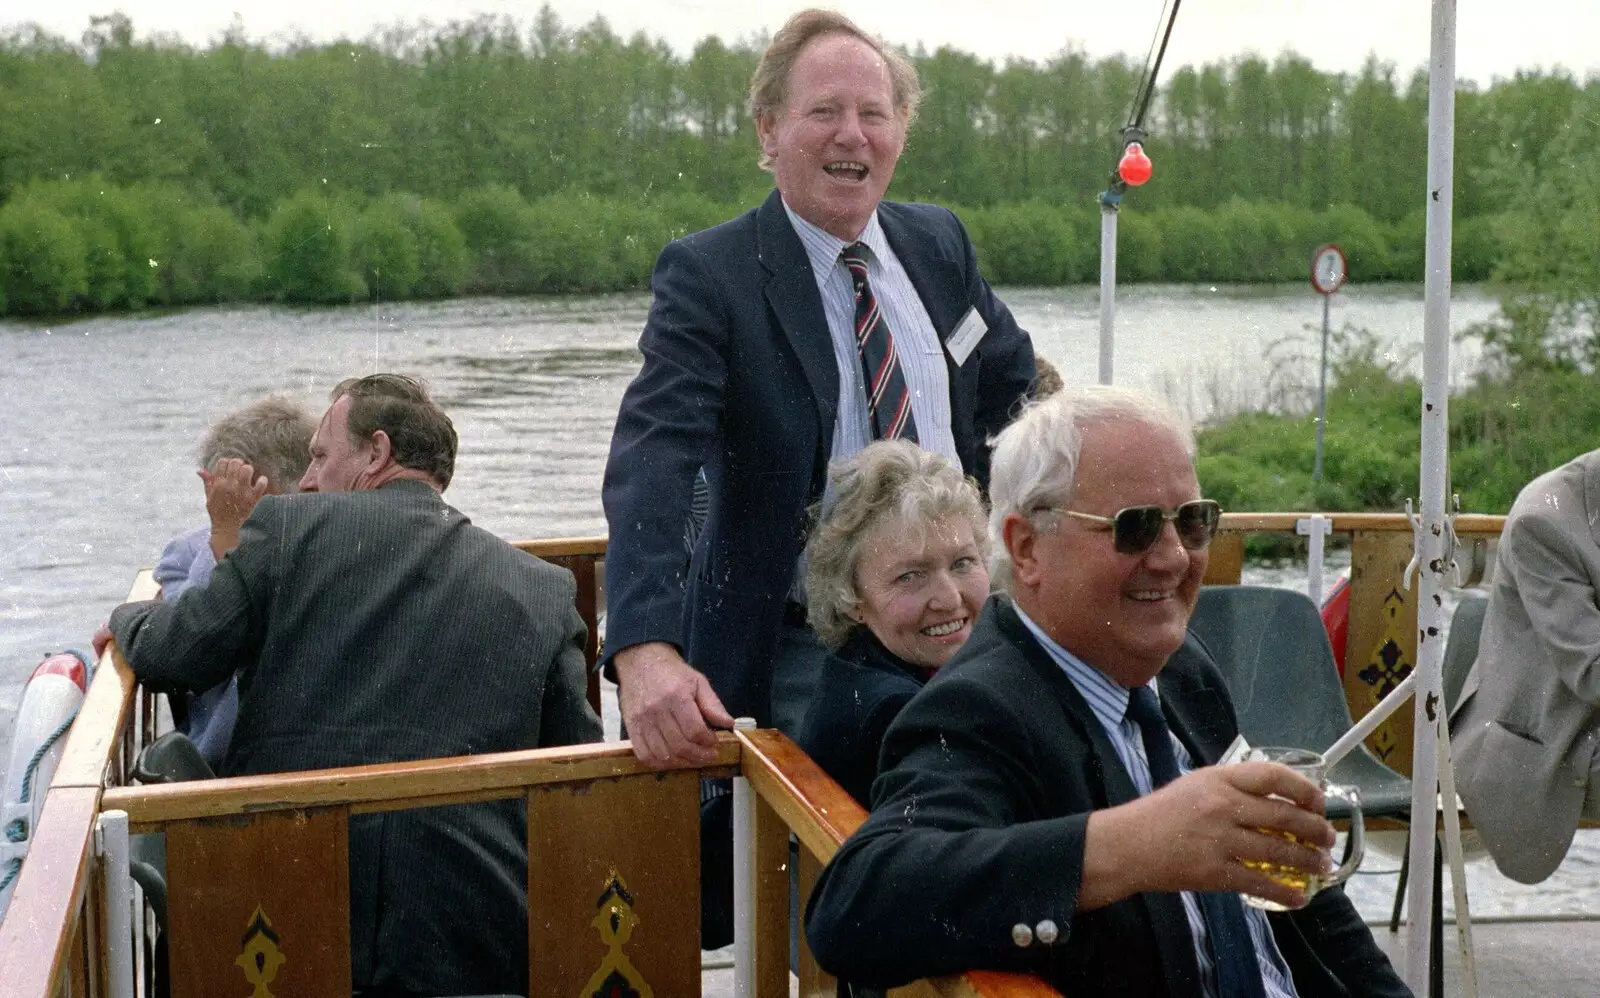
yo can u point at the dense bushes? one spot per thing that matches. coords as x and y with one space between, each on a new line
89 245
307 242
1239 242
43 259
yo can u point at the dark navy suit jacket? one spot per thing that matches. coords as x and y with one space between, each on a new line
988 778
739 378
860 691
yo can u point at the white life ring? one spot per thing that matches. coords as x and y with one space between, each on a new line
50 701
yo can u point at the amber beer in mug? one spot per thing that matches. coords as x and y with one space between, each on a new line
1313 767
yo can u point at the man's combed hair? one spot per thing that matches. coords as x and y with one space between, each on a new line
421 435
1035 459
273 436
769 87
893 482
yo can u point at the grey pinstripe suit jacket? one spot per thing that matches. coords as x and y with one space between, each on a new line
382 626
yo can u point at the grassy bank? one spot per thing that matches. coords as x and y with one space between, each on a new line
1505 430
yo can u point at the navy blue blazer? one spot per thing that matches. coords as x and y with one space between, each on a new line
988 778
739 378
861 690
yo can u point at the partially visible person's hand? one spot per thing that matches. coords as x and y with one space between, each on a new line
232 491
668 706
102 639
1193 833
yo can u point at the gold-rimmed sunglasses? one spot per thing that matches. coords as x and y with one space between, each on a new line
1135 529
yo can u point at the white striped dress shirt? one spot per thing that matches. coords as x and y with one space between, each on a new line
921 354
1109 702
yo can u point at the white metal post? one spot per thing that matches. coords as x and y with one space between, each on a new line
744 908
117 885
1431 529
1108 286
1322 392
1458 870
1315 527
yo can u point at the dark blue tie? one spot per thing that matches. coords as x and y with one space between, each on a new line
1238 973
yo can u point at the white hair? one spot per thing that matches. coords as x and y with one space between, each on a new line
1035 460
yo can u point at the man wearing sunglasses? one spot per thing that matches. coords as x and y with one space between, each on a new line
1045 803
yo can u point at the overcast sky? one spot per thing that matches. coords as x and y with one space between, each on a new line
1496 37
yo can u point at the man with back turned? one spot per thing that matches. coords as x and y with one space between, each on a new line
1046 803
372 622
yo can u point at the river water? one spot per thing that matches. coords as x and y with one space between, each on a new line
100 419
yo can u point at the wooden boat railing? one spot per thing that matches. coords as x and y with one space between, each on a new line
51 939
1382 644
257 867
45 938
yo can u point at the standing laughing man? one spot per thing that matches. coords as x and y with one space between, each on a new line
795 334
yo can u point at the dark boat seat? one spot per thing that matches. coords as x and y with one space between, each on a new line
1278 663
1461 647
172 758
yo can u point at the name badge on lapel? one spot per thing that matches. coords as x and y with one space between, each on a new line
969 331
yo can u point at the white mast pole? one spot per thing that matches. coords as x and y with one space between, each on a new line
1433 533
1108 281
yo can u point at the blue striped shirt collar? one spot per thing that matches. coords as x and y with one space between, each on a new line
1107 698
823 247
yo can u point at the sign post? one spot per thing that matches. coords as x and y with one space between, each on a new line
1327 276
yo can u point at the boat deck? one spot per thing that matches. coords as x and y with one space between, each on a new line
1522 957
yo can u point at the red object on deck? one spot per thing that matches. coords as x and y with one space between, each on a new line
64 664
1336 619
1135 167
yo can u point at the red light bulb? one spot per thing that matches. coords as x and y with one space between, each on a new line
1135 167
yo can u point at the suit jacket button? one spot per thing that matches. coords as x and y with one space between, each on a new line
1046 932
1022 935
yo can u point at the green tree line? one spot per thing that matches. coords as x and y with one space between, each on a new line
397 137
544 109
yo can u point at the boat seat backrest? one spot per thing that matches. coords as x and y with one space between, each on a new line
1278 664
172 758
1461 647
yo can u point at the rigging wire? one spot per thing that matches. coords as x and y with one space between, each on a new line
1147 87
1144 72
1133 132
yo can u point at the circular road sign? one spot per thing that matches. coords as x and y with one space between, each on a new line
1328 269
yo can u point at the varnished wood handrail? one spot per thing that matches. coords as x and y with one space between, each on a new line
822 815
97 731
563 547
391 786
47 903
1474 524
1466 523
48 900
819 811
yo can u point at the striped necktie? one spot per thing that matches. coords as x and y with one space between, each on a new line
888 399
1238 972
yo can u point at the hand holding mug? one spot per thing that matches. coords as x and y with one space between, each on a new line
1313 767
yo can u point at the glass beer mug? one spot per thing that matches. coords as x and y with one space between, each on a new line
1313 767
